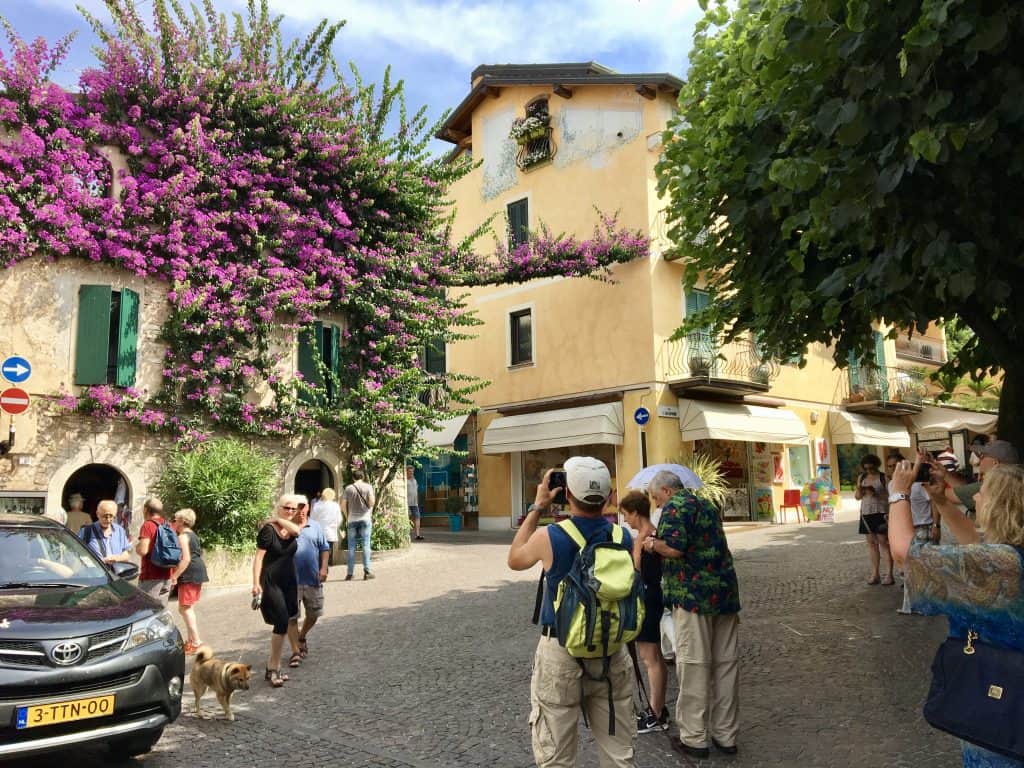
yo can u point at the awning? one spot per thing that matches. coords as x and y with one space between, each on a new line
703 420
556 429
446 432
859 429
933 418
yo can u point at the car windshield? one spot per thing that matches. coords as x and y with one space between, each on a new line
46 556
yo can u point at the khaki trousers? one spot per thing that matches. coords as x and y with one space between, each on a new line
708 670
556 695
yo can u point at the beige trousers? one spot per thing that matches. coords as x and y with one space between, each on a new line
708 670
555 704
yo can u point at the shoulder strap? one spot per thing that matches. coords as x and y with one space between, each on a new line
616 533
573 532
539 600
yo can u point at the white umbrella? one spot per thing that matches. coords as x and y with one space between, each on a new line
686 475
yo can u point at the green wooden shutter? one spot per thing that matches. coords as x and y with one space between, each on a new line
93 337
879 350
854 368
518 223
696 300
127 338
309 348
331 357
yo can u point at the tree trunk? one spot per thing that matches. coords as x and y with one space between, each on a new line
1011 406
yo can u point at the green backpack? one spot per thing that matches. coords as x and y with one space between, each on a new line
599 605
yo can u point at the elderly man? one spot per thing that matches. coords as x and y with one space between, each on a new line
700 588
311 561
105 537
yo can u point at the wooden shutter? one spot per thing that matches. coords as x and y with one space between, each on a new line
309 348
696 300
332 357
435 355
127 338
879 350
93 336
518 223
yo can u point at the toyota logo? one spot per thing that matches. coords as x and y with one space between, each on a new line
66 653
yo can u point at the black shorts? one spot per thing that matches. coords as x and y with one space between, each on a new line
877 523
650 630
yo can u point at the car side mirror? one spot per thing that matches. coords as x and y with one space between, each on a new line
125 571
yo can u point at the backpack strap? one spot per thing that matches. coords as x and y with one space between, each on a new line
573 532
540 598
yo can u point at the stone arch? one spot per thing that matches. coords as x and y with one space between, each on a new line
323 455
132 475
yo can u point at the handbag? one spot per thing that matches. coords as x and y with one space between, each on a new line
977 694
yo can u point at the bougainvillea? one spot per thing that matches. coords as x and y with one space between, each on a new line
266 193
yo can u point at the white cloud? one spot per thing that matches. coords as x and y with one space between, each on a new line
472 32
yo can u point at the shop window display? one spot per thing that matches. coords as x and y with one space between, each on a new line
536 463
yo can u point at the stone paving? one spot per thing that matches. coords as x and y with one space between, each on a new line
428 666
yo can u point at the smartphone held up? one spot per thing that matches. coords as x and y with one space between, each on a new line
557 481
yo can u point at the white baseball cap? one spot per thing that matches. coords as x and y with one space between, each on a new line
588 479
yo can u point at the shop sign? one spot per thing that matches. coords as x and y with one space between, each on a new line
669 411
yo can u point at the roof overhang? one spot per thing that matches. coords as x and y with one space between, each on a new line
707 420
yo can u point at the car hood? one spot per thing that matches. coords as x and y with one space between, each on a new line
46 614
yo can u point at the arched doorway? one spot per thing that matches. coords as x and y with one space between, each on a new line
96 482
312 477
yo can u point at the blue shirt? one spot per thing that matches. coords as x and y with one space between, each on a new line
564 550
312 542
102 546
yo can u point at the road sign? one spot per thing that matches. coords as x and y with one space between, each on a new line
641 416
16 369
14 400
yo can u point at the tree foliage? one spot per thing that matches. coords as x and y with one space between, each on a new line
837 162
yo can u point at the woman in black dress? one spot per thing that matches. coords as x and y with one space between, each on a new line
273 581
636 511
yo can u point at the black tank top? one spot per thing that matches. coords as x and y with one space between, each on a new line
196 571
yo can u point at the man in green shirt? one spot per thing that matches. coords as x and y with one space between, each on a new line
700 587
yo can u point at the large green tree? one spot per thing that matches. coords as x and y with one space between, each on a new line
836 162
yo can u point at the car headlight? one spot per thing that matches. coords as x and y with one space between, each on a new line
150 630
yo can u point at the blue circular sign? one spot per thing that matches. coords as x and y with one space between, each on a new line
641 416
15 369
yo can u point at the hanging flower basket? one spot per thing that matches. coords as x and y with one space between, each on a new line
527 129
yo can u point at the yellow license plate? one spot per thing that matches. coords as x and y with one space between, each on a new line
65 711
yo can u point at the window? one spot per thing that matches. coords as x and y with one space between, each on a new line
434 358
107 337
799 465
319 352
702 352
521 326
518 223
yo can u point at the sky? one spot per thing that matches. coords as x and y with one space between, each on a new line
433 45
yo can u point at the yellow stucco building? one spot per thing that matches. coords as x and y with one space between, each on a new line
575 363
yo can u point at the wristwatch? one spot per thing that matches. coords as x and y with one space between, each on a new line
894 497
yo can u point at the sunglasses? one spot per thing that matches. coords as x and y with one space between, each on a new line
289 509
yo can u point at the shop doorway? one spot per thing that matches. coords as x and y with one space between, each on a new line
313 477
96 482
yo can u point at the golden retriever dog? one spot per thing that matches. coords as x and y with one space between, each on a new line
223 677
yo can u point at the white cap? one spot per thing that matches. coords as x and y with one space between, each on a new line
588 479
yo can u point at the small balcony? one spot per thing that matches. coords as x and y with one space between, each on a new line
698 366
884 391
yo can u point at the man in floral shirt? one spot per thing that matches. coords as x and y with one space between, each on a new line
700 588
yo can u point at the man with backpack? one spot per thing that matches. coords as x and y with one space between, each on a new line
700 587
581 665
158 547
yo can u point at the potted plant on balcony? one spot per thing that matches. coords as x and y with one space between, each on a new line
699 366
527 129
872 392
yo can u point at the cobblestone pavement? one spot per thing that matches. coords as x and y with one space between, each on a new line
428 666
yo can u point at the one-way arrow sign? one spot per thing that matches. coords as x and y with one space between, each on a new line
16 369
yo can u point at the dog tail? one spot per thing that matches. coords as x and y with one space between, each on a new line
205 653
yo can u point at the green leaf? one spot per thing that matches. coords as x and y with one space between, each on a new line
991 32
902 59
938 102
889 178
925 144
921 37
857 15
958 137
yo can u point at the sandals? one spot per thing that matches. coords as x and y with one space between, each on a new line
295 660
303 648
874 580
275 678
888 581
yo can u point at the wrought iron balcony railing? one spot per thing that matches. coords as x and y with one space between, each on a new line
869 388
698 361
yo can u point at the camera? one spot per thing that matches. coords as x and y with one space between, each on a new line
924 474
557 480
256 601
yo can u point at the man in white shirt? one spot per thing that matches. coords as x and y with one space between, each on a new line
358 502
327 513
412 498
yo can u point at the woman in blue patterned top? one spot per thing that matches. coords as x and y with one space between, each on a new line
978 584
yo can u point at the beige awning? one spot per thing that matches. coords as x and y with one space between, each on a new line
562 428
445 433
934 418
703 420
858 429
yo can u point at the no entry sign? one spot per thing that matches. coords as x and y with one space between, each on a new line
14 400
